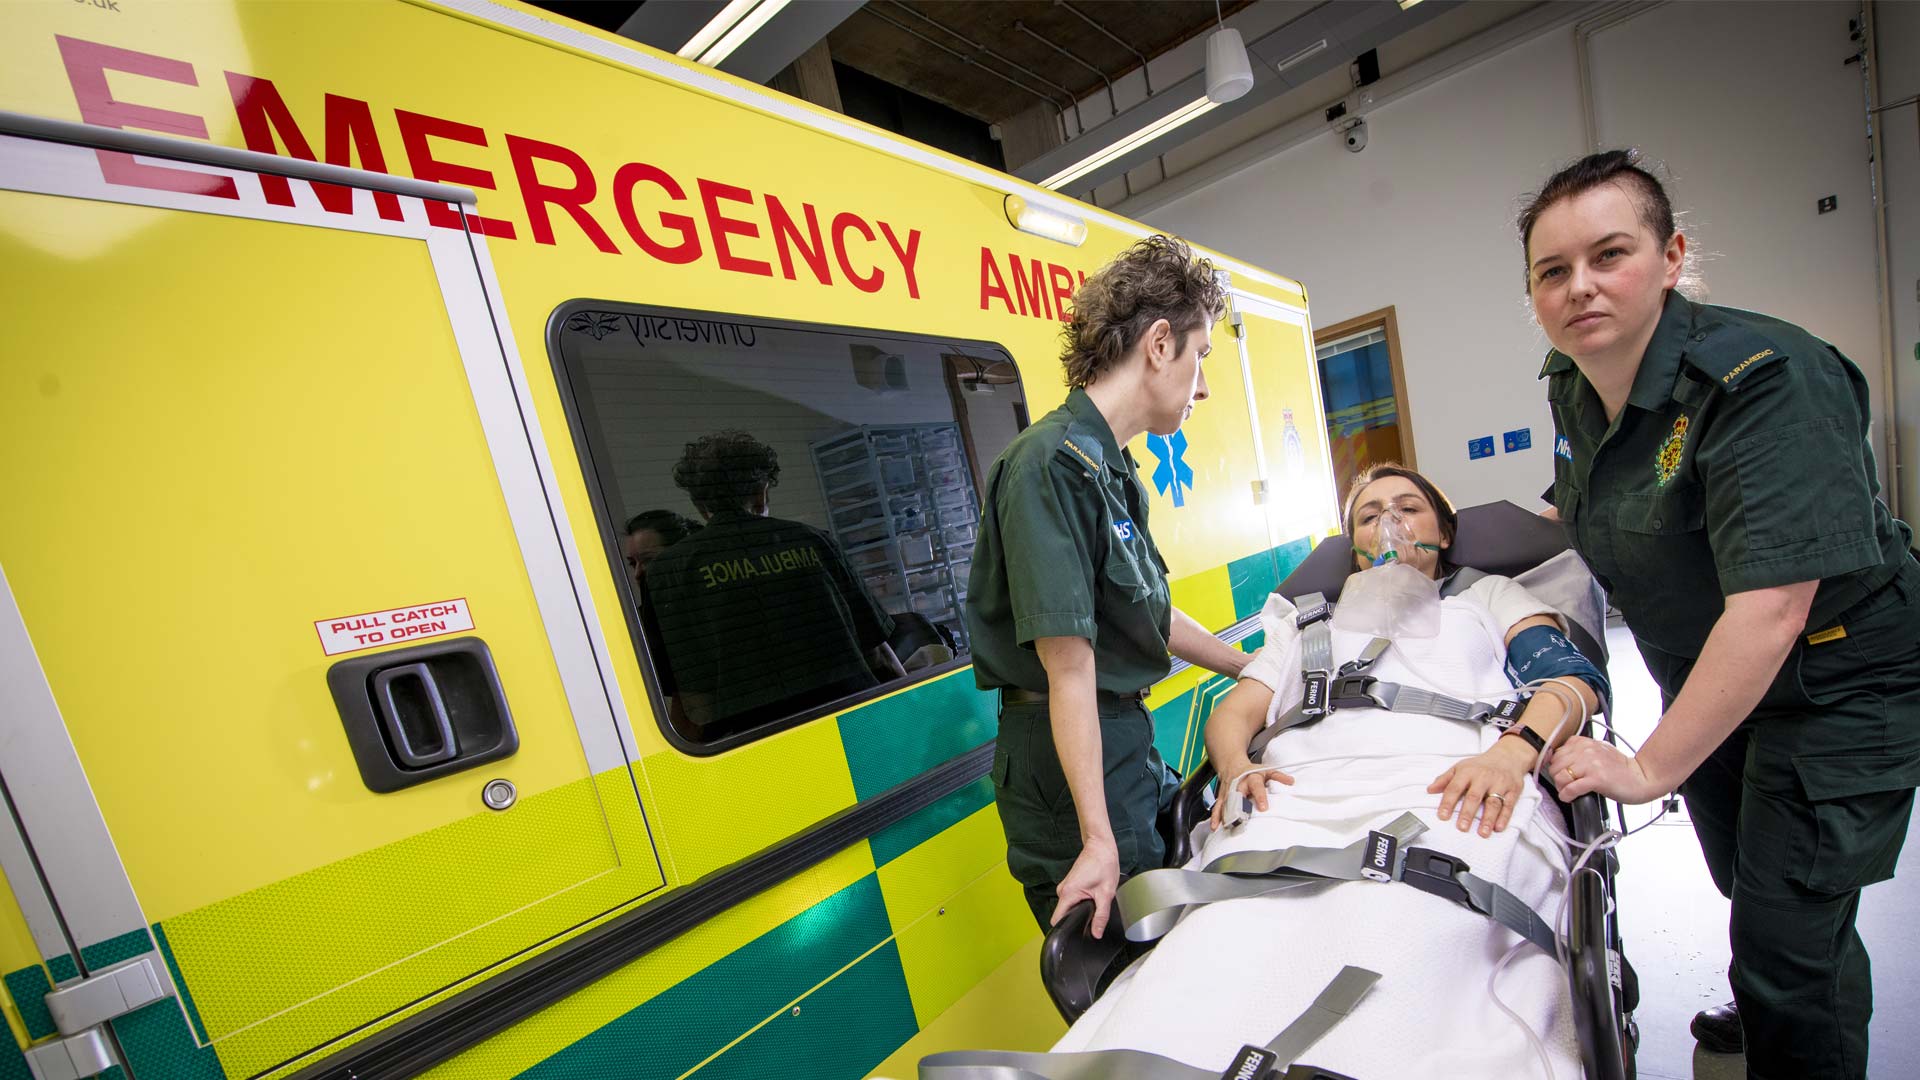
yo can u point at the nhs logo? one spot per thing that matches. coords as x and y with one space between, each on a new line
1562 448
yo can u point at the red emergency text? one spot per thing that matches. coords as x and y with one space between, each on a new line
635 207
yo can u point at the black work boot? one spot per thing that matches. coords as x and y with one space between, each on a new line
1718 1029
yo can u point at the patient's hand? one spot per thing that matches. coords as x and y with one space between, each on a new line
1253 785
1500 771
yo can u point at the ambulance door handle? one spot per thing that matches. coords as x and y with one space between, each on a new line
414 715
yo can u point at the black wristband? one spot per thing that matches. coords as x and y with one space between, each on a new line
1531 736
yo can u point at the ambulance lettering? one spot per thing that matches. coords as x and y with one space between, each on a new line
727 571
740 230
1047 295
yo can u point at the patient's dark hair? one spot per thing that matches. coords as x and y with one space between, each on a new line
1442 508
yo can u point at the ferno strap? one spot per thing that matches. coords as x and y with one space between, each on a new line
1316 653
1152 902
1334 1004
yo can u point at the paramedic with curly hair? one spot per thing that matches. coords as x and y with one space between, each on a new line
1068 609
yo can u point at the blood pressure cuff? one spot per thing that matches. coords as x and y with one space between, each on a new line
1542 652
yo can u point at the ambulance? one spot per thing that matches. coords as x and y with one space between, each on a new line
340 343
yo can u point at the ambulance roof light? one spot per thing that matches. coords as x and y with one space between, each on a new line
730 29
1045 221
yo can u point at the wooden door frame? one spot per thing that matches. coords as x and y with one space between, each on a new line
1384 318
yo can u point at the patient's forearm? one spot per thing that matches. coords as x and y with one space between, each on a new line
1234 722
1548 713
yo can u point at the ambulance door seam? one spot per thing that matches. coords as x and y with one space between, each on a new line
37 881
92 878
601 660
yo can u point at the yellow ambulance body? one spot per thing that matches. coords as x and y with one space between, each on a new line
259 423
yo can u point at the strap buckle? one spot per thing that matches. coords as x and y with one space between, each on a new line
1506 713
1313 613
1438 873
1355 692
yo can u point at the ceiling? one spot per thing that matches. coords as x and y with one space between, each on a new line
993 60
1065 85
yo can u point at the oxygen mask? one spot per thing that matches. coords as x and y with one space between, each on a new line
1390 599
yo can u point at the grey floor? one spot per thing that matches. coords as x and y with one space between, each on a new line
1675 926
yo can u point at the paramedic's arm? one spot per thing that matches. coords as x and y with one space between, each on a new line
1743 654
1191 642
1502 768
1231 726
1075 716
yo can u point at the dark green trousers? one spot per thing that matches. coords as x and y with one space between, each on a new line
1037 810
1802 807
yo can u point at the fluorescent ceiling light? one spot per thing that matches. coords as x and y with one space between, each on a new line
715 27
1405 4
743 30
1196 108
1045 221
728 30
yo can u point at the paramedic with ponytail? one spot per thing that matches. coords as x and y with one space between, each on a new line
1068 611
1713 469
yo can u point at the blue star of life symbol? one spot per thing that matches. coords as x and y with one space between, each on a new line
1173 470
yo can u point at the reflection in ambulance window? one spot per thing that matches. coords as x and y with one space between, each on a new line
792 507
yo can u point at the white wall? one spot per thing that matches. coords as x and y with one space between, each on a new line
1757 119
1899 36
1748 104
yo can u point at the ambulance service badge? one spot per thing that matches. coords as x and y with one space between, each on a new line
1668 462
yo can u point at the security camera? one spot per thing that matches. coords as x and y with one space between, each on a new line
1355 132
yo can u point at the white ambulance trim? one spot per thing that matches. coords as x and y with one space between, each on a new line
1249 304
54 802
778 105
23 879
51 797
557 508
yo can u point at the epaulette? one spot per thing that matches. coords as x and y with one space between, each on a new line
1555 363
1732 354
1083 448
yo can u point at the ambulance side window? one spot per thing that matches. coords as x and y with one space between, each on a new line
790 508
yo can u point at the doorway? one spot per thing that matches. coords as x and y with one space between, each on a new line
1363 387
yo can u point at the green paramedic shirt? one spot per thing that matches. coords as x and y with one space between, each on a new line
1739 462
1064 552
763 616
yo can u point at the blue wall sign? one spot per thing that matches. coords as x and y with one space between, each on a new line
1480 447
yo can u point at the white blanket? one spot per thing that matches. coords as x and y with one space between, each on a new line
1237 972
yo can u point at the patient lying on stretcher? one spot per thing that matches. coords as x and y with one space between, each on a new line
1236 971
1403 509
